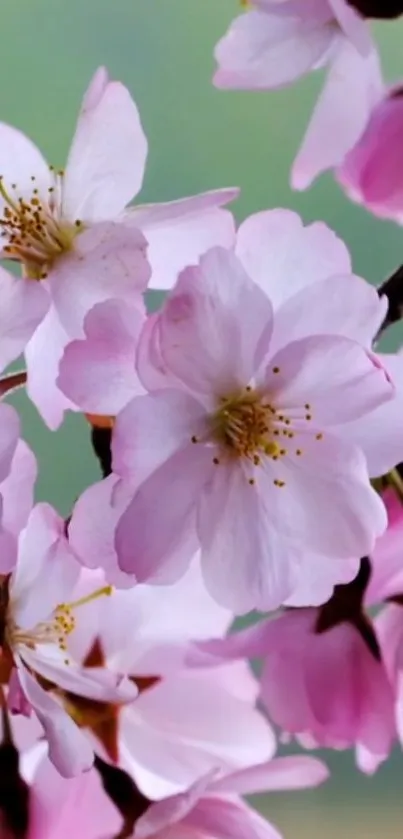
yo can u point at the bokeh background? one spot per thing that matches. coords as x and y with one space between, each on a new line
199 139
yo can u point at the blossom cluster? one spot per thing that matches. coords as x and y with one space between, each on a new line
250 437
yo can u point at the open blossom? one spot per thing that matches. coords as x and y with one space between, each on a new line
371 172
246 411
71 229
211 808
36 618
185 721
274 43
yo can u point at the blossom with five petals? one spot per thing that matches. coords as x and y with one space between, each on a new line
71 229
242 443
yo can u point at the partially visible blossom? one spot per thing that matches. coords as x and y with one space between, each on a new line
331 676
185 721
37 618
273 44
16 500
371 172
243 406
213 808
71 229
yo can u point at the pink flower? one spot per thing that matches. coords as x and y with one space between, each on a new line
274 43
371 172
185 721
240 444
37 619
213 807
61 808
71 229
328 688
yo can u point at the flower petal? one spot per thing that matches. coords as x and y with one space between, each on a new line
228 819
267 49
340 305
9 434
151 428
379 433
98 373
161 554
353 87
42 355
23 305
284 257
205 338
109 261
21 162
69 748
280 773
107 157
178 232
337 378
194 717
241 544
46 570
325 484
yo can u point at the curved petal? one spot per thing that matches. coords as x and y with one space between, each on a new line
280 773
62 808
69 748
228 819
161 554
23 305
326 502
22 165
340 305
215 326
151 428
353 87
17 490
46 570
371 171
109 261
107 157
194 717
284 257
9 434
95 683
92 527
316 578
42 354
178 232
98 373
334 376
273 47
246 562
379 433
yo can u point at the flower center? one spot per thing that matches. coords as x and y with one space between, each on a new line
36 234
247 425
243 425
57 629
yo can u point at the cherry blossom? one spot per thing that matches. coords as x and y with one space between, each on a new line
184 721
236 417
70 228
274 43
37 619
212 808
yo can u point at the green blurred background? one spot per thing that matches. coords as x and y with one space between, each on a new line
199 139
